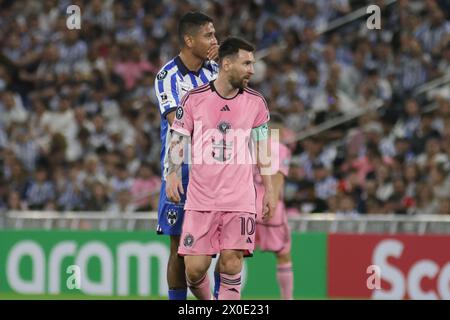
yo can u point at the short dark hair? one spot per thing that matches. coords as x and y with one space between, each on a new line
232 45
190 23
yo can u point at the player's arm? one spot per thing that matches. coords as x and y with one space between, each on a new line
174 187
277 184
263 161
170 117
182 128
167 94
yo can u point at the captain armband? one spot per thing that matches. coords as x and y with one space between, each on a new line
260 133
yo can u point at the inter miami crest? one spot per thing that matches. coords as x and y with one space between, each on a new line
223 127
172 217
179 113
188 240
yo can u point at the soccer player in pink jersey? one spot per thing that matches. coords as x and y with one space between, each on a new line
274 235
223 118
194 66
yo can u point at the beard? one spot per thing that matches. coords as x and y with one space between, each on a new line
239 83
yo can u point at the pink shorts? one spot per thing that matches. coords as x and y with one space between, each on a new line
209 232
274 238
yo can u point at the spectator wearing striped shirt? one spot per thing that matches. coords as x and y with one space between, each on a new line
433 33
413 69
325 184
14 174
25 148
72 49
11 110
121 180
72 195
41 192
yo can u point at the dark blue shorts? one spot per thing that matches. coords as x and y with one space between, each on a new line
170 214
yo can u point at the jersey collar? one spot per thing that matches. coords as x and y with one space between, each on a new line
213 88
184 70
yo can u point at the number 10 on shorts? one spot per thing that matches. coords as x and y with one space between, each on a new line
248 226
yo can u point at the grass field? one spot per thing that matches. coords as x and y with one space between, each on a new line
15 296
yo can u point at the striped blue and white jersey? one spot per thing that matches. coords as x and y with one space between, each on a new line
172 82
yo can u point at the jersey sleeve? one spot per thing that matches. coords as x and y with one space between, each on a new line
284 159
166 88
280 156
262 115
183 122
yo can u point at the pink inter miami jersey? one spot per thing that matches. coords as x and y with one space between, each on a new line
281 156
221 174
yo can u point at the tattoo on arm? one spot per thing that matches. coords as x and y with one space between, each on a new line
175 152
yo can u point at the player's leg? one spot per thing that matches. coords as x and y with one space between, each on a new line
285 275
197 277
170 221
216 279
199 242
230 266
176 278
237 238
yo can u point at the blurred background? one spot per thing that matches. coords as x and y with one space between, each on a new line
366 112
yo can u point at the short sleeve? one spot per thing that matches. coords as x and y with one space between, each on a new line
262 115
166 89
280 156
284 159
183 122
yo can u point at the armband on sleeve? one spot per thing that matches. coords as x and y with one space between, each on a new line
260 133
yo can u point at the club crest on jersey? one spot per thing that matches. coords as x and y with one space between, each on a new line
161 75
179 113
188 240
172 217
223 127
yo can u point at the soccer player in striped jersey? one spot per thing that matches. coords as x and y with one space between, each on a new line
194 66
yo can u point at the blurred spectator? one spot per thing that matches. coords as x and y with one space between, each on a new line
145 189
82 103
41 192
325 185
346 206
122 205
308 200
15 202
121 180
25 149
444 206
97 199
11 109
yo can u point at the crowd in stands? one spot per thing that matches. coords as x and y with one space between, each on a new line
79 122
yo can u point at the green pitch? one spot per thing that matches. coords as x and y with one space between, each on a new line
15 296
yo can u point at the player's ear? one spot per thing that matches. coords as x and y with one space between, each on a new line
188 40
226 64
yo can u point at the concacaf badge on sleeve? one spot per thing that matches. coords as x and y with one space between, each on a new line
161 75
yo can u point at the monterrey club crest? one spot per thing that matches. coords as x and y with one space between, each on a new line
179 113
188 240
223 127
172 217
